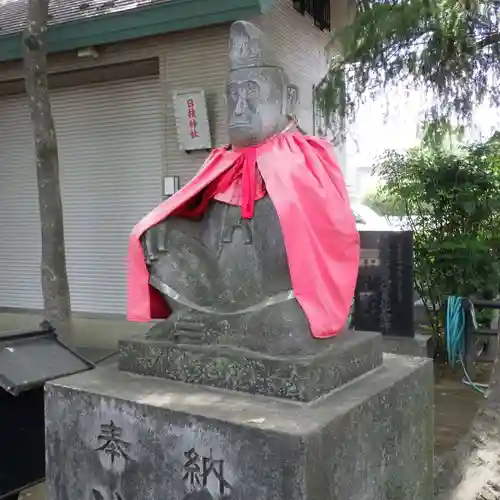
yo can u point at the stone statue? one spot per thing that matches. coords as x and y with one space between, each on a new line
226 277
260 99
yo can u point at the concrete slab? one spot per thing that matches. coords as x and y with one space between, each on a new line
420 345
455 403
130 436
38 492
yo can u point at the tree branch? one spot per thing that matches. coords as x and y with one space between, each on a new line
489 40
448 47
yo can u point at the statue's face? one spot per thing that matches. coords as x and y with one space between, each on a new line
256 105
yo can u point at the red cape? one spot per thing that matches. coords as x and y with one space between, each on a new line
307 188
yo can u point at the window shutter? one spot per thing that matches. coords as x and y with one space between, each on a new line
319 10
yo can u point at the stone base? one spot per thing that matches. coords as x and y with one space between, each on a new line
119 436
302 378
419 345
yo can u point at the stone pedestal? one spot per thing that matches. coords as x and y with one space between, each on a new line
302 378
117 435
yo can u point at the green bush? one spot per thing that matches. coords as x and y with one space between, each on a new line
452 201
384 203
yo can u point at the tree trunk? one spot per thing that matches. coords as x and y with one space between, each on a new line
55 287
472 470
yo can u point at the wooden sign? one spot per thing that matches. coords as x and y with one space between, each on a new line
193 128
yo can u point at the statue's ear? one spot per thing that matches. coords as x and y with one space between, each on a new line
292 92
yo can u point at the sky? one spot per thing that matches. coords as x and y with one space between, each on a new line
377 128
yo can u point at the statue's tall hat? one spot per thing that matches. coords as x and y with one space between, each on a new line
248 47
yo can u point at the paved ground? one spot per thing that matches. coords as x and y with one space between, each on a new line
455 406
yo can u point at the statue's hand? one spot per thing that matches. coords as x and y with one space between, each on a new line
189 329
183 327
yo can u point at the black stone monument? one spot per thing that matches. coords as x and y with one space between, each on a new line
383 300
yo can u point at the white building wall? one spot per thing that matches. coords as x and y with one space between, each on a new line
304 51
301 49
198 58
299 46
189 59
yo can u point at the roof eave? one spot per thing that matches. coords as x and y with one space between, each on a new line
157 19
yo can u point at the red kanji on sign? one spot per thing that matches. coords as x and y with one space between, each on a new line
192 119
191 110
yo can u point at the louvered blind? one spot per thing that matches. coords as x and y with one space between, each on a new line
110 152
20 241
110 148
